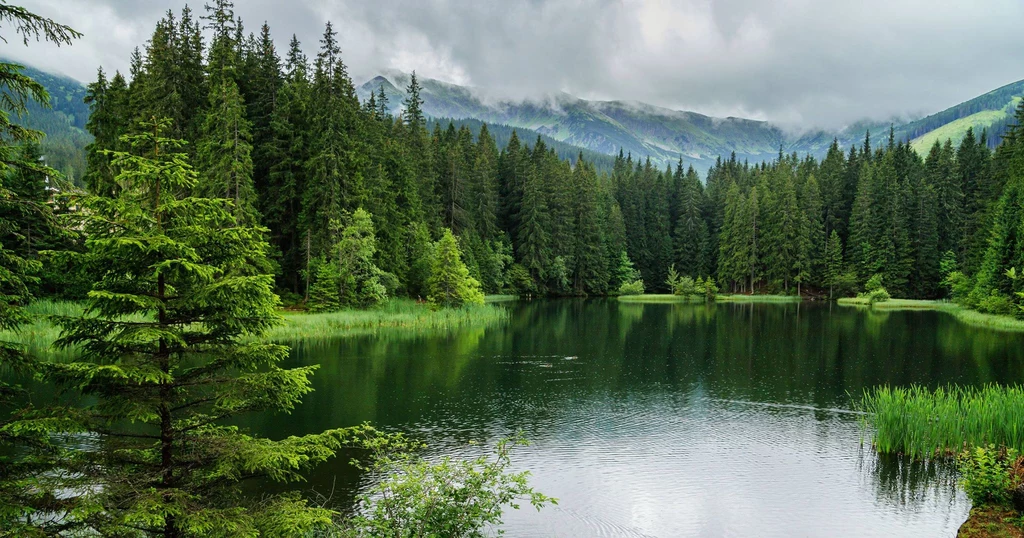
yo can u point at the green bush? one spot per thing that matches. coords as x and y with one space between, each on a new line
879 295
686 286
997 303
958 284
450 497
707 287
987 474
874 292
632 288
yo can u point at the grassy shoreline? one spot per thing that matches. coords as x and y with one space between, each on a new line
962 314
403 314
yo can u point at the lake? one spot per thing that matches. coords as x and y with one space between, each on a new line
666 420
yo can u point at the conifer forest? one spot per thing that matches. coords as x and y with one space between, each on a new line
227 230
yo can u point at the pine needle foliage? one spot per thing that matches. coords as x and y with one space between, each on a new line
167 351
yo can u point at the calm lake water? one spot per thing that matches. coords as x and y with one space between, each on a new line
667 420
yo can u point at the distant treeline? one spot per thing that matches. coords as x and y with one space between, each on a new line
290 143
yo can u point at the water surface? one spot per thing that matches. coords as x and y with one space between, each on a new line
667 420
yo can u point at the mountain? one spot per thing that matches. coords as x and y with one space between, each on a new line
63 123
572 125
600 126
666 135
992 112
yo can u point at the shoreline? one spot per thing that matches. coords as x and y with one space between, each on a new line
965 315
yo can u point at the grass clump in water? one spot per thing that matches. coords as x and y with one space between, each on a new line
923 423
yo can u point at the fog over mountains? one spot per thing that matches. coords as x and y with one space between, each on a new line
667 135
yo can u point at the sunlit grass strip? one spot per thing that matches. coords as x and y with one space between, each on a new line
500 298
759 298
38 336
894 304
397 313
661 298
923 423
965 315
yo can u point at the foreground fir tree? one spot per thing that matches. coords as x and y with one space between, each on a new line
450 284
26 450
169 348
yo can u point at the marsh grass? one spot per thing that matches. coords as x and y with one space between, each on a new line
759 299
964 315
395 314
500 298
924 423
661 298
404 314
38 335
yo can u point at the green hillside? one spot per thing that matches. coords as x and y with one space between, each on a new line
666 135
571 125
63 123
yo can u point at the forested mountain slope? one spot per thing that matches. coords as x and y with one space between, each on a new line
63 122
666 135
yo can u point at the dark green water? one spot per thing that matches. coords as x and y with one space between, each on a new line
667 420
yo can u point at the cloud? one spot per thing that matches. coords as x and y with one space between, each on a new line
800 63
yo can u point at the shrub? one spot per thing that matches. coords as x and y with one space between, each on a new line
450 497
958 284
682 285
873 283
874 291
878 295
987 474
632 288
708 288
996 303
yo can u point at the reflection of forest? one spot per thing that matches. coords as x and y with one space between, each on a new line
555 360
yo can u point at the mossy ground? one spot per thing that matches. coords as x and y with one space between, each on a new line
992 522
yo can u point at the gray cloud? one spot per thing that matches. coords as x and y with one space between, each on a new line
797 62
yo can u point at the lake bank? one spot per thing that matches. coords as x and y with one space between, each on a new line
402 314
991 522
963 314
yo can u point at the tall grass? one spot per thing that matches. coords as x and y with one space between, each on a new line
923 423
739 298
39 335
661 298
396 313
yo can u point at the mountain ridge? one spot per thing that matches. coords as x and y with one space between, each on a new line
666 134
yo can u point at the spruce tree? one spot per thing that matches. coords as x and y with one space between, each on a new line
359 276
225 153
589 270
168 351
450 284
833 261
691 230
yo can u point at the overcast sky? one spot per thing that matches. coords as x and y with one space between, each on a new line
797 62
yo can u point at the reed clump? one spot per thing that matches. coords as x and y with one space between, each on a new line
924 423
